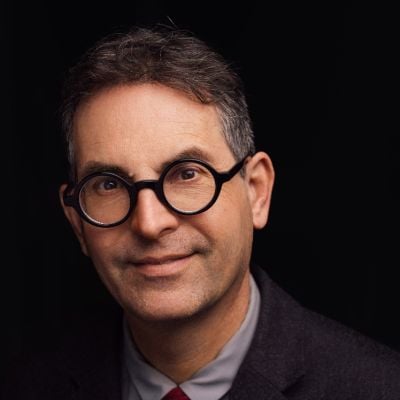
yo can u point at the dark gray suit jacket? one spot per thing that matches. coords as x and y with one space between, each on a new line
296 354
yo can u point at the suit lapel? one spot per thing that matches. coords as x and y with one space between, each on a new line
93 361
102 382
275 360
250 385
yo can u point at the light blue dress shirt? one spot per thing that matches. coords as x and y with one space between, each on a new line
141 381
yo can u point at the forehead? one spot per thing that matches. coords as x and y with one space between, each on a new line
142 126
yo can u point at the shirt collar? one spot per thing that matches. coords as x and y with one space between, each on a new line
210 382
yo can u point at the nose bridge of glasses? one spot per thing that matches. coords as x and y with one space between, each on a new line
152 184
146 184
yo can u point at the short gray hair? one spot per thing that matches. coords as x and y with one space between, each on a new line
167 56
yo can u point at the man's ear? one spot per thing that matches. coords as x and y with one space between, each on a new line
260 180
74 220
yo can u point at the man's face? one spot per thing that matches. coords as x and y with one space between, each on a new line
160 265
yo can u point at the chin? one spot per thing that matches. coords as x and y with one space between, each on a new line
165 308
162 315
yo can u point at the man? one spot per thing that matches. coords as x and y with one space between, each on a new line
166 189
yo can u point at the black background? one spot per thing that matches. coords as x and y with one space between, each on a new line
320 89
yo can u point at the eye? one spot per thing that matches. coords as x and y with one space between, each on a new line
108 184
102 185
187 174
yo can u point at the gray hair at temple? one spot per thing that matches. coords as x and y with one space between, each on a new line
167 56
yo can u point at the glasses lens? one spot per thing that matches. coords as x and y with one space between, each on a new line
189 186
104 199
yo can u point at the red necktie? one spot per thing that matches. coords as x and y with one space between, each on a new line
175 394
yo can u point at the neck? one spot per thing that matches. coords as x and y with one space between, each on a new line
178 349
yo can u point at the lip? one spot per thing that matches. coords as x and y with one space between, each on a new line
162 266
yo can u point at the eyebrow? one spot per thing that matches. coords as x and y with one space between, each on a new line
93 167
192 152
98 167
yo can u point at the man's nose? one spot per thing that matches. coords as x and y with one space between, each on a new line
150 218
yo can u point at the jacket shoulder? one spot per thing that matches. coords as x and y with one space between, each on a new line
306 355
349 358
84 357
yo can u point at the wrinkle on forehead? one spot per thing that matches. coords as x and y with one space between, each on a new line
143 125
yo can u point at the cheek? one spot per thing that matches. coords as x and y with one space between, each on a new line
235 210
103 250
228 224
100 243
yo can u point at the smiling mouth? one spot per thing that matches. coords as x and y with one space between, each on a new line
163 266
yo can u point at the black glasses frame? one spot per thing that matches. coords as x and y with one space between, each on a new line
72 200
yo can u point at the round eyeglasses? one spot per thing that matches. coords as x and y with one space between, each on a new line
186 186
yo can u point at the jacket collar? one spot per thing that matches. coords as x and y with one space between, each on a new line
275 360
